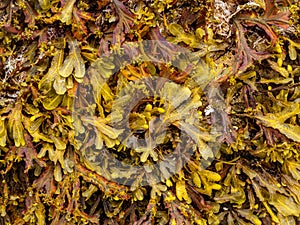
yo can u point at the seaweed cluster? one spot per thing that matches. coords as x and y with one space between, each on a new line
149 112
